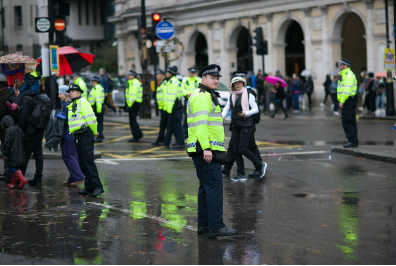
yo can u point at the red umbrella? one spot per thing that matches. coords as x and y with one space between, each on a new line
381 74
72 60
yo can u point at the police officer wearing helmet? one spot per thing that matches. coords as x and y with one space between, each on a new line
96 99
205 145
346 95
161 100
83 125
173 106
134 98
80 82
189 84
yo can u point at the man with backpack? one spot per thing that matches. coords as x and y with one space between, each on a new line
33 118
230 157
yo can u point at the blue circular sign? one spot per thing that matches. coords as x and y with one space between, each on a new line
164 30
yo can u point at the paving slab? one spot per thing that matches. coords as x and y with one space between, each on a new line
380 153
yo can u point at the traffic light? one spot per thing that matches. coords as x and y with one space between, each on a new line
261 45
155 19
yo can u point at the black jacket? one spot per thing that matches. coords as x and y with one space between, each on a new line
4 95
23 122
309 86
13 142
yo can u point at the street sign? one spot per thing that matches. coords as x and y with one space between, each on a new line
389 59
164 30
54 59
60 24
168 47
42 24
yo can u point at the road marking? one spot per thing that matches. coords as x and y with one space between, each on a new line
153 217
293 153
114 161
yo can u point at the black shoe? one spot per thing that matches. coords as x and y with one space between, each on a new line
84 192
133 140
222 232
272 116
263 170
178 146
97 192
226 171
98 140
36 181
350 145
286 116
155 143
202 230
239 178
255 173
167 146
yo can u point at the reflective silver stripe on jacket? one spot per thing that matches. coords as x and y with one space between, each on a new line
205 122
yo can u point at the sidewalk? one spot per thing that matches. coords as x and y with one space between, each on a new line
378 153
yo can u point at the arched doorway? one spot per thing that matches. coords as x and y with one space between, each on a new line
353 45
244 51
201 51
294 51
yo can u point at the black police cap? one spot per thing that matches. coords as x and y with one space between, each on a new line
345 61
74 87
193 70
212 69
160 71
134 73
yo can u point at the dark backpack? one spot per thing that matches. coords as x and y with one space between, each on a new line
256 117
111 84
41 112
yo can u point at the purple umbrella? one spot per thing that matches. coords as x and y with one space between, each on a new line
274 79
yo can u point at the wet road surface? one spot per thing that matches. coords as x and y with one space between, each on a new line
314 207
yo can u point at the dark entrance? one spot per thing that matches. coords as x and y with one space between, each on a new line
294 52
201 52
244 54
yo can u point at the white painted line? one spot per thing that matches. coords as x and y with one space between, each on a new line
293 153
156 218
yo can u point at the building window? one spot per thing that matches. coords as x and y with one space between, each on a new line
94 12
18 15
19 48
380 16
87 11
3 21
31 16
37 11
79 12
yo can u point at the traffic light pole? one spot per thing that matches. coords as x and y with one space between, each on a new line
50 42
262 57
145 111
390 106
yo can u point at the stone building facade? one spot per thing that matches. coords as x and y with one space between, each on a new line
301 34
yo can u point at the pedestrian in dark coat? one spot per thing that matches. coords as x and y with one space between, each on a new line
309 88
327 87
279 97
13 151
371 93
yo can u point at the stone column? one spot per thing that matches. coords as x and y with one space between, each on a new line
225 68
371 51
327 65
269 59
210 41
121 53
308 39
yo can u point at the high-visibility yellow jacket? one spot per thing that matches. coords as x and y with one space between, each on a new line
134 92
81 115
174 91
96 97
161 94
80 82
347 85
190 84
205 123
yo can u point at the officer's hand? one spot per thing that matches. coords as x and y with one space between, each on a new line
97 134
208 156
241 114
188 95
106 94
341 105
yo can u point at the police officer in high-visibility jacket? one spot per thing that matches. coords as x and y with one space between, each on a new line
173 105
134 98
205 145
161 100
96 99
83 125
346 95
80 82
189 85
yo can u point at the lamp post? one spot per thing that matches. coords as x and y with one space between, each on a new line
390 106
145 111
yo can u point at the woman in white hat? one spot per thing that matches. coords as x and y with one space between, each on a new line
243 105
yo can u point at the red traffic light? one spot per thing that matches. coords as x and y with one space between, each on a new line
156 17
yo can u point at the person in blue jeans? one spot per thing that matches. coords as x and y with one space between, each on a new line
68 144
295 89
333 95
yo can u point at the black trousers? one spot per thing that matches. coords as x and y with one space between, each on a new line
100 118
309 100
174 126
230 156
349 119
33 144
162 129
210 193
133 124
185 124
277 106
241 136
85 152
